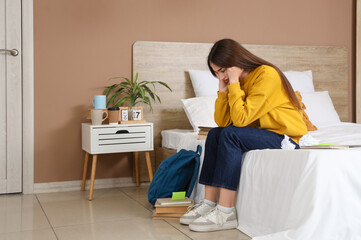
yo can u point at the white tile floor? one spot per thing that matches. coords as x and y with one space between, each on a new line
119 213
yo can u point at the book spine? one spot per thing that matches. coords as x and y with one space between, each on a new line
170 218
171 209
167 214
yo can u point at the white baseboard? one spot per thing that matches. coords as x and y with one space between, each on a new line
76 185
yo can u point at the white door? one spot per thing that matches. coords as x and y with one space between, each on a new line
10 97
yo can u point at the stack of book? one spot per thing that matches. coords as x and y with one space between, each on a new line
203 132
166 208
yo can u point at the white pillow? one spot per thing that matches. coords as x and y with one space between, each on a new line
200 111
300 81
203 82
320 109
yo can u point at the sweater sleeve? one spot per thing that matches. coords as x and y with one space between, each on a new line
221 114
245 110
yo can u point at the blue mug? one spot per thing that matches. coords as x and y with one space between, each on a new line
100 102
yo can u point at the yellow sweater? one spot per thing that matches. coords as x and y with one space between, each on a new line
260 101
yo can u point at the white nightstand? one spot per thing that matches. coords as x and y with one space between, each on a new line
100 139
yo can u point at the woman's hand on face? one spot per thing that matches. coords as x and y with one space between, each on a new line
228 76
223 86
234 74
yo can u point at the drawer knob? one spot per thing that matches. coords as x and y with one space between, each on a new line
122 131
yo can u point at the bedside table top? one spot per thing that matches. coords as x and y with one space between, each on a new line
117 125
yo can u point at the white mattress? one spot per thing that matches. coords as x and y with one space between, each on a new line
342 134
174 138
299 194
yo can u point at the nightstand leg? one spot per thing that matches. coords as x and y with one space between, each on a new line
136 165
149 165
85 170
94 166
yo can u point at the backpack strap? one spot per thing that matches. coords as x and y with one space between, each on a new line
195 173
199 150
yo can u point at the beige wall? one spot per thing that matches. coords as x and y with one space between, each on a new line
79 44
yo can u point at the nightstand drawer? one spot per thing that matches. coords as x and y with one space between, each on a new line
120 138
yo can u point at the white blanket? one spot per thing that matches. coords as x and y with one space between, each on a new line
303 194
299 194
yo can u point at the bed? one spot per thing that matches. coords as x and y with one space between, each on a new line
283 194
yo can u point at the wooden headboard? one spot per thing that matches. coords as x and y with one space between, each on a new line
169 62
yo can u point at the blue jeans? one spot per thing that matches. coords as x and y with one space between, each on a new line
224 149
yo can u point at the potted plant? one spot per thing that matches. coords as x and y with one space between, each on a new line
133 91
113 104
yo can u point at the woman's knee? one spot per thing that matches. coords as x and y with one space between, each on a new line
234 134
214 133
227 132
212 137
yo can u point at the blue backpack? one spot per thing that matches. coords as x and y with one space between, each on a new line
176 173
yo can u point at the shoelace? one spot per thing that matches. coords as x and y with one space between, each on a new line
190 208
217 212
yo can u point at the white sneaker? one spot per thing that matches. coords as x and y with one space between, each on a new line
214 220
195 212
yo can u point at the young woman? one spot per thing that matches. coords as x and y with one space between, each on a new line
255 108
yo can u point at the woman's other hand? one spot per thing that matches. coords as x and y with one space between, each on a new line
234 74
223 85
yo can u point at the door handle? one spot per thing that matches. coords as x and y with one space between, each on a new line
13 52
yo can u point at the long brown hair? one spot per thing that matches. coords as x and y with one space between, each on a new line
228 53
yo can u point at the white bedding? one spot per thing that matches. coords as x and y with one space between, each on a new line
341 133
299 194
173 138
303 194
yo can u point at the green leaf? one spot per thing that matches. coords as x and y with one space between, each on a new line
147 89
113 97
158 98
114 78
135 88
109 88
132 99
143 82
141 91
125 84
147 101
120 101
165 85
147 82
110 100
136 77
120 90
127 80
